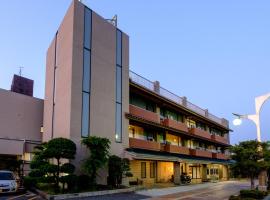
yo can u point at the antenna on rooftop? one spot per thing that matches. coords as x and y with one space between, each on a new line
113 21
20 71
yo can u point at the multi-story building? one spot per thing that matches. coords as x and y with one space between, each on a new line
90 91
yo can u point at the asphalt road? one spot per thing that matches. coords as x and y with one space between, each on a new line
20 196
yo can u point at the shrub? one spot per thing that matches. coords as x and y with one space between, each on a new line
118 168
29 182
83 182
255 194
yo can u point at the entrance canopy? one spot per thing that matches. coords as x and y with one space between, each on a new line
139 154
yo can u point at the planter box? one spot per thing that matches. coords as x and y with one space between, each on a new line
175 124
144 144
220 139
144 114
176 149
220 156
199 132
200 153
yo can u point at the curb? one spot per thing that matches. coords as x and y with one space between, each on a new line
85 194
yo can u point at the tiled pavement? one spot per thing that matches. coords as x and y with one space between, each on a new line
20 196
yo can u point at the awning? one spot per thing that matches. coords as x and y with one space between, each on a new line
134 154
146 156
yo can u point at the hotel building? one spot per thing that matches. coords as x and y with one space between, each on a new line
90 91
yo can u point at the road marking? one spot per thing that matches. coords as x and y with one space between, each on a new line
16 197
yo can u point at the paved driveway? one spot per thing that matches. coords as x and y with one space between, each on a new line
209 191
220 191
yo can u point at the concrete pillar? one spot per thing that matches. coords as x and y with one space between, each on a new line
176 172
184 102
206 113
156 86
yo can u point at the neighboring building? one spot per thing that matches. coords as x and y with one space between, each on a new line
91 92
21 118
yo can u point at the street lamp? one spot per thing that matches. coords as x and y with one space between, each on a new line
259 101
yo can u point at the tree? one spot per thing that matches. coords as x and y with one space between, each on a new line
118 169
55 150
99 153
251 157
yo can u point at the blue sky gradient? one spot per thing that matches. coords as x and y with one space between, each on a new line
216 53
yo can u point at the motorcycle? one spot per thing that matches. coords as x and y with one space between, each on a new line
185 179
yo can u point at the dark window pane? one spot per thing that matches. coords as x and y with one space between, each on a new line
87 28
118 84
85 114
86 70
152 170
119 47
143 169
118 124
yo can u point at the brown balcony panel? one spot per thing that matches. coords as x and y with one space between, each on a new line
201 153
145 114
220 139
199 132
175 124
220 156
176 149
144 144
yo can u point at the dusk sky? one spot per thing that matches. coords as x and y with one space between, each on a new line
216 53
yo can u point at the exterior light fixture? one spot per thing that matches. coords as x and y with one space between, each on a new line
237 122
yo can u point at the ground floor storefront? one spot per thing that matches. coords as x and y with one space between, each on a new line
152 169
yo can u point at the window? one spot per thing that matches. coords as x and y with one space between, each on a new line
86 70
87 27
118 128
152 170
118 92
119 48
143 169
85 115
86 82
118 84
201 126
191 123
142 103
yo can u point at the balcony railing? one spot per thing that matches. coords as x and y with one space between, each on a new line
220 139
220 156
144 144
154 87
177 149
199 132
175 124
201 153
144 114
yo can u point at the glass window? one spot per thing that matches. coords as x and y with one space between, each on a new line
191 123
87 28
118 126
152 170
85 115
86 70
143 169
118 84
119 47
172 139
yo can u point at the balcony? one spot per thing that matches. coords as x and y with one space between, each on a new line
176 149
220 139
199 132
144 114
220 156
200 153
175 124
144 144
